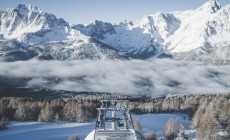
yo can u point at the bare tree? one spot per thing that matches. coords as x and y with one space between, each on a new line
228 131
151 136
172 128
137 126
209 125
2 123
208 129
181 135
73 137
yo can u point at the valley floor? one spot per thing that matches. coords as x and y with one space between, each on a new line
62 130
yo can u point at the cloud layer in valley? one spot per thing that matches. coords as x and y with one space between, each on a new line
134 77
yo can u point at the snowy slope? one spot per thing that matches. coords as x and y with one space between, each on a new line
195 29
62 130
203 34
124 37
159 25
28 32
29 24
143 39
200 34
61 50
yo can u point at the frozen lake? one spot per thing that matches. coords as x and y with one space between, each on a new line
62 130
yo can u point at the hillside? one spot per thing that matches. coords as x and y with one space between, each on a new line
27 32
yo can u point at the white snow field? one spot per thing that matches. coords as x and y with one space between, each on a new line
62 130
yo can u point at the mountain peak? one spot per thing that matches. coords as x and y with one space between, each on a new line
126 23
211 6
25 8
97 22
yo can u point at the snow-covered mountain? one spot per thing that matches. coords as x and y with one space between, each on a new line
204 34
200 34
27 32
124 37
12 50
29 24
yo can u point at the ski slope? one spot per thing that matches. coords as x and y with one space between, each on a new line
62 130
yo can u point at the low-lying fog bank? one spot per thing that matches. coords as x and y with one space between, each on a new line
134 77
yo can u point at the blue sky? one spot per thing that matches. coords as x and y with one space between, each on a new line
85 11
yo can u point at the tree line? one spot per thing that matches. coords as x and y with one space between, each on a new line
209 114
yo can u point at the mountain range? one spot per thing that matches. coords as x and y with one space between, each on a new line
202 34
